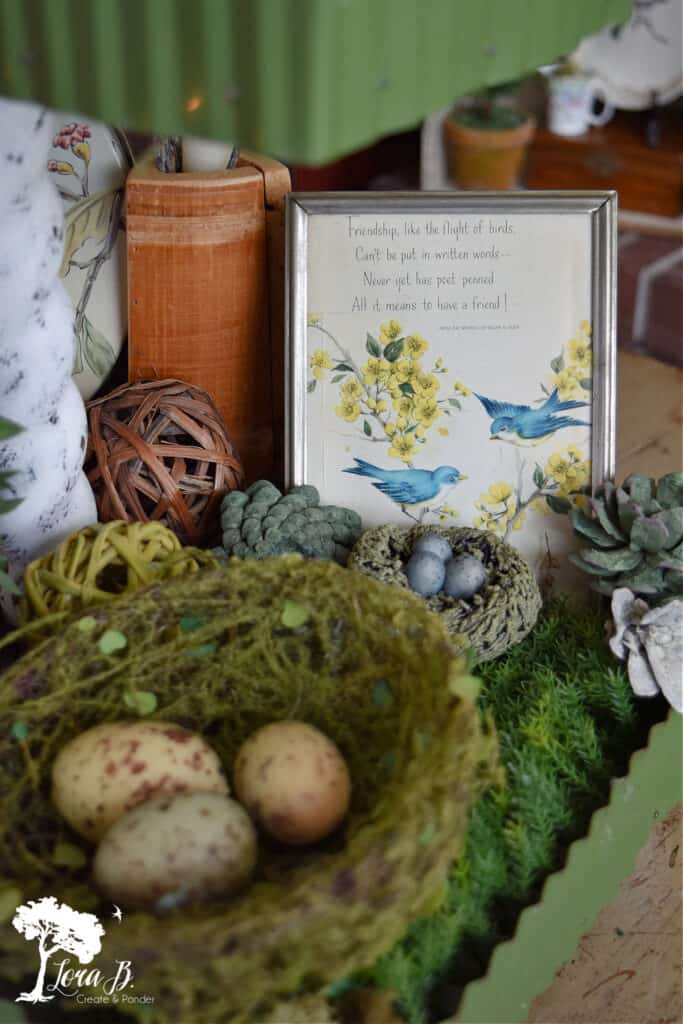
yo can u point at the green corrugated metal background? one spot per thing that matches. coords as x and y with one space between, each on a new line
304 80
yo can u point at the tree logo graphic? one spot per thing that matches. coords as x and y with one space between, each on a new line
56 926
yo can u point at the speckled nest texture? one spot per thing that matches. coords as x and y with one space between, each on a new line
501 614
371 668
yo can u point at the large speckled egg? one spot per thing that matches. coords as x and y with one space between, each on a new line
176 850
465 576
111 768
433 544
426 573
293 781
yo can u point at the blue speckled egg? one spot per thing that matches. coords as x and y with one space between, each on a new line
465 575
434 544
425 573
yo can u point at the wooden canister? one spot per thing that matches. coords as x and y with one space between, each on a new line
205 294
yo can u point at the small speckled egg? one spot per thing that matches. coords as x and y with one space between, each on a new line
426 573
465 576
434 544
293 781
176 850
108 770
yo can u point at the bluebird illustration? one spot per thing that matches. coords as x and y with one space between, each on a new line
522 425
408 487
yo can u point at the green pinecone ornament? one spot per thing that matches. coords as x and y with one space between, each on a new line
261 523
636 537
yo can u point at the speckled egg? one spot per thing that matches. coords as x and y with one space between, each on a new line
172 851
434 544
465 576
293 781
426 573
111 768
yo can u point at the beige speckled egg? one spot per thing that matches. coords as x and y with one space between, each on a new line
293 781
176 850
111 768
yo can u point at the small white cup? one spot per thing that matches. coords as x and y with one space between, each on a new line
570 104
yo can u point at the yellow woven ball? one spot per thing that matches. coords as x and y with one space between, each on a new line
101 562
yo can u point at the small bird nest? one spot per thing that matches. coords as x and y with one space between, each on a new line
367 665
160 451
104 561
502 613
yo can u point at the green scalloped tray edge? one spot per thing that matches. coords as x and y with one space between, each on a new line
549 931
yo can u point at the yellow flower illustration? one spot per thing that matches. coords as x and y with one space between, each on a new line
443 431
403 447
415 345
376 371
406 371
566 383
426 410
389 331
426 385
349 410
313 319
319 362
580 352
352 388
448 512
498 492
585 328
390 428
403 406
460 387
558 467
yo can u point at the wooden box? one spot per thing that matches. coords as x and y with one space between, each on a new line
649 179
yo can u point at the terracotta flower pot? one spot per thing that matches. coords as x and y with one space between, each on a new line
486 159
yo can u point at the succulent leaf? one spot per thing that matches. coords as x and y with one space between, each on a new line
621 560
639 488
670 490
593 530
673 581
627 510
593 570
645 580
607 514
649 534
673 520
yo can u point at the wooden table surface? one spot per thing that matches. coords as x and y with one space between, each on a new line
628 967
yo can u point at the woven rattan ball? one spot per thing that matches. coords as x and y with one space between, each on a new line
104 561
159 450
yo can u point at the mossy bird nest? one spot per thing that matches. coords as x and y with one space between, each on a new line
502 613
365 663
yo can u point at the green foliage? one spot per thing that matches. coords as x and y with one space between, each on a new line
8 429
636 537
567 722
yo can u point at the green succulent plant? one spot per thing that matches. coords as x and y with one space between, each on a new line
261 522
636 537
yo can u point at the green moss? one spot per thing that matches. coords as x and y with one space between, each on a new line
567 723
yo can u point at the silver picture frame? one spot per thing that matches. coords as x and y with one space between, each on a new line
304 211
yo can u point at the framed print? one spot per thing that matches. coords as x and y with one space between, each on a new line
451 358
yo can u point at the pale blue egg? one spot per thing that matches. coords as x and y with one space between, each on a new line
425 573
434 544
465 576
